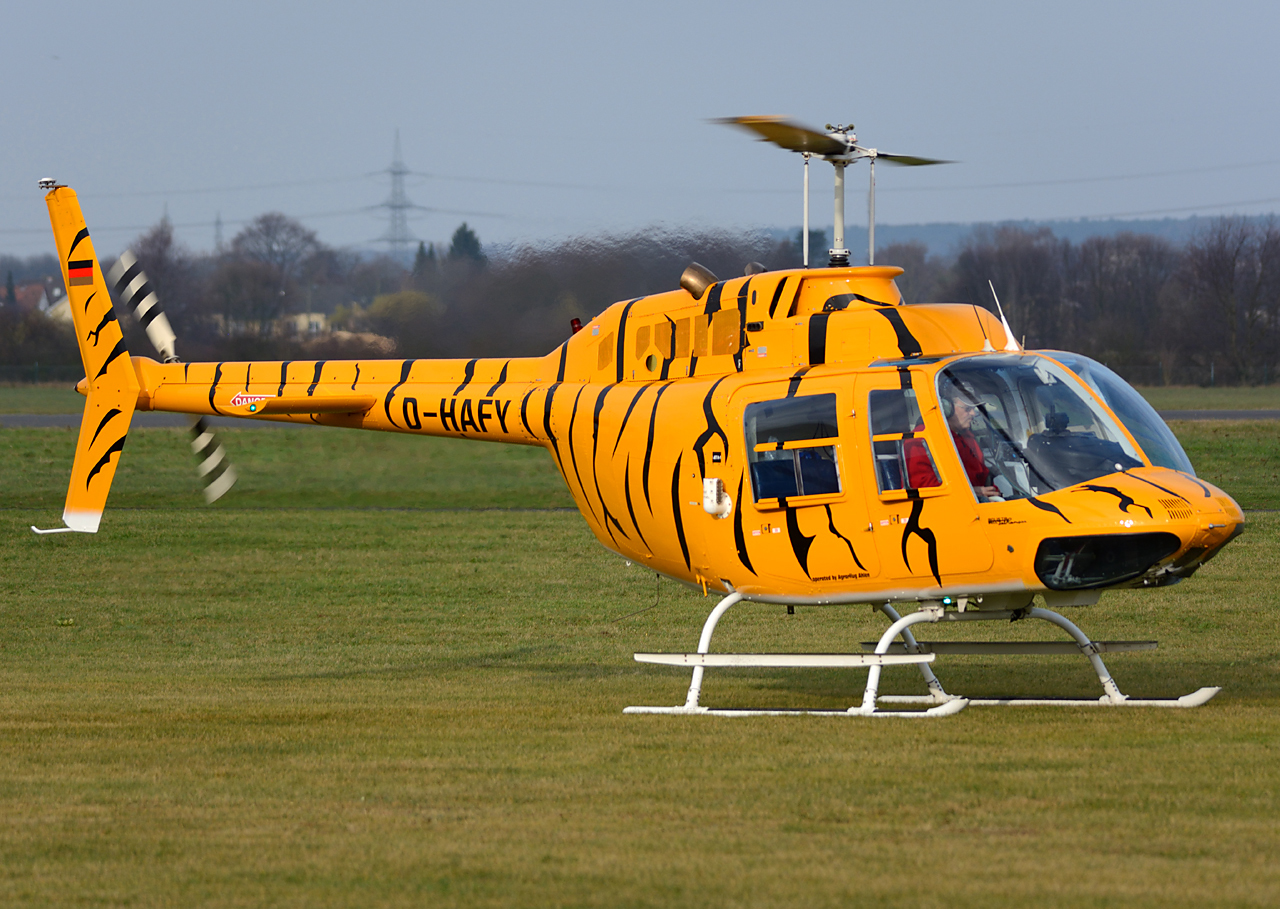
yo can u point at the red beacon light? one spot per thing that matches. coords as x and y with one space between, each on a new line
575 325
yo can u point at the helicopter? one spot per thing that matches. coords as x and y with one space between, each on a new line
787 437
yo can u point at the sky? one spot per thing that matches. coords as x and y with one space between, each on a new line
536 123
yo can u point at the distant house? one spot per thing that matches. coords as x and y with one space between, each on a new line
303 323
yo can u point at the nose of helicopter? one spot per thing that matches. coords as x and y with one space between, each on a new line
1151 526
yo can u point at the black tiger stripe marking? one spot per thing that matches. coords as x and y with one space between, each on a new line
116 447
284 371
1159 487
818 338
113 412
88 300
627 416
622 337
1207 493
648 451
913 528
573 455
713 299
777 295
675 507
907 342
742 324
115 352
793 384
626 485
217 377
671 344
502 377
595 441
564 359
106 320
831 525
842 301
1048 506
356 379
524 410
404 377
713 429
1125 500
546 426
468 372
799 542
739 536
83 235
315 378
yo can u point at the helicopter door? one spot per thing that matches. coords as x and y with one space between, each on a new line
797 515
923 515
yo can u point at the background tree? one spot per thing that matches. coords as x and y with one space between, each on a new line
278 242
465 245
10 292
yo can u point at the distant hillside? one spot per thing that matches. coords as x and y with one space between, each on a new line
945 239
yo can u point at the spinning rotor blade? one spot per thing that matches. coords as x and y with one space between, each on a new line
909 160
135 291
788 135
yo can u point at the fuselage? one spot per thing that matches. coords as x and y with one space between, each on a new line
799 391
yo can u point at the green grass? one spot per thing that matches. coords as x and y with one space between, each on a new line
1191 397
311 466
300 698
44 397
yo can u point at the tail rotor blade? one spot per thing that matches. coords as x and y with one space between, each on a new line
135 291
214 470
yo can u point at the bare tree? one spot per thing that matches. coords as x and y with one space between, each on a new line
278 242
1232 279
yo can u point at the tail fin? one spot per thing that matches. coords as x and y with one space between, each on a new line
113 384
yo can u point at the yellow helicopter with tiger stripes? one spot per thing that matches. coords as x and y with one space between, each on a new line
790 437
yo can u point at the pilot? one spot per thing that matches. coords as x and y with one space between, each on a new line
960 411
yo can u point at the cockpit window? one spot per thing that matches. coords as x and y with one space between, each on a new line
1034 426
791 447
1140 418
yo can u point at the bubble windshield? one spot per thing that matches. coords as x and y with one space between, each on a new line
1031 424
1140 418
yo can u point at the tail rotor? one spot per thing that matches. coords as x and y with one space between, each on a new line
135 291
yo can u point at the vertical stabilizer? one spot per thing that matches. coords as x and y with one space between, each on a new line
113 384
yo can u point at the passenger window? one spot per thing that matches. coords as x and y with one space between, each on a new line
791 447
903 459
725 332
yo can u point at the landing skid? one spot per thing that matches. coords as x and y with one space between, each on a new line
886 652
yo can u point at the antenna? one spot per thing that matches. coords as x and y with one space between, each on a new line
837 146
1010 343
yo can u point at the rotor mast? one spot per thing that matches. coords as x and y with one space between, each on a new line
838 146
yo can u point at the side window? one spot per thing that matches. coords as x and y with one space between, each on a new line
903 460
791 447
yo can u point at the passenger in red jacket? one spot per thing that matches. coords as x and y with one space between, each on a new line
960 413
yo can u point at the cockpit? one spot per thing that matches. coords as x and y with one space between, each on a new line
1024 426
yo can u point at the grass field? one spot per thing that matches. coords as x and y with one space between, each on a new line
328 691
61 398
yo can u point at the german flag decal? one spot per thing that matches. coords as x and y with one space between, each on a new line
80 272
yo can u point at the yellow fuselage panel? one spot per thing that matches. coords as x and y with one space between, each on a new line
650 400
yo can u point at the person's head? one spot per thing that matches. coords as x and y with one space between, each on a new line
958 406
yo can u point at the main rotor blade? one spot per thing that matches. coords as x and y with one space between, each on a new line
788 135
909 160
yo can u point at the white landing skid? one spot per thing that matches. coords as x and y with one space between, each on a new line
910 652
